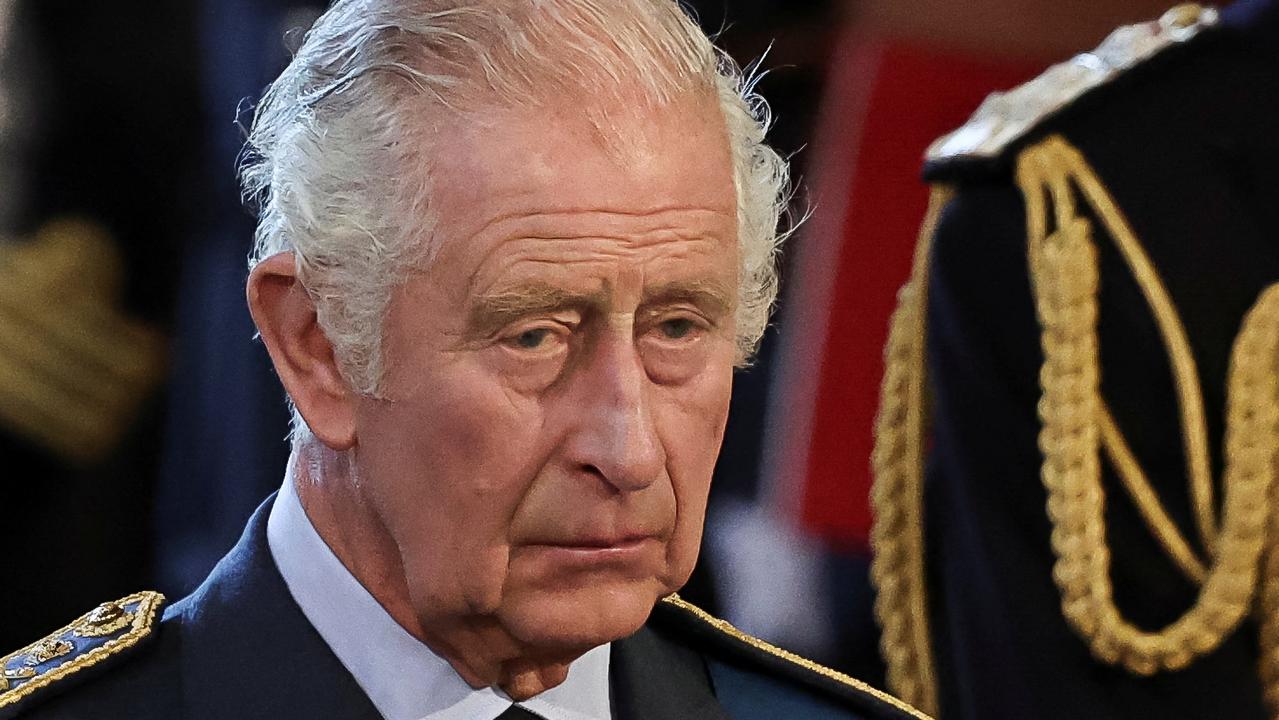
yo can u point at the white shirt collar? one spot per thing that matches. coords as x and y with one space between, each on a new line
403 678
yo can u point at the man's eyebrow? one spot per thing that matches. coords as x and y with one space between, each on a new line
492 311
709 296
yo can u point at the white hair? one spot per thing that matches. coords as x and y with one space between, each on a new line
339 167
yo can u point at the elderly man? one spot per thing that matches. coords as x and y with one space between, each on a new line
509 255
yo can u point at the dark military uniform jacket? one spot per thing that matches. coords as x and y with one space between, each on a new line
240 647
1076 456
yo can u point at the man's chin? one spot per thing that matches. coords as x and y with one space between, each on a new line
574 620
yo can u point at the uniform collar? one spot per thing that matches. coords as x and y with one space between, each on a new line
403 678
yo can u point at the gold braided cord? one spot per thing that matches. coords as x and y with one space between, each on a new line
1254 430
1190 398
1189 395
1064 275
1147 500
897 535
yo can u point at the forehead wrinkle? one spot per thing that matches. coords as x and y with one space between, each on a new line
502 271
494 225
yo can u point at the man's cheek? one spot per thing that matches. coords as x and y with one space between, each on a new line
693 463
484 576
683 549
465 576
480 413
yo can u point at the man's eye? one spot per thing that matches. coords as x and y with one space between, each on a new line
531 339
677 328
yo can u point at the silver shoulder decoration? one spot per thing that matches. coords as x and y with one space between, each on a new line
1005 117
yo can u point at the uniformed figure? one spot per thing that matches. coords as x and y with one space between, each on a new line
1076 448
508 256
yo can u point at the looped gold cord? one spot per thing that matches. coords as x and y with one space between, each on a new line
1182 360
1254 430
1054 159
1147 500
1064 275
897 536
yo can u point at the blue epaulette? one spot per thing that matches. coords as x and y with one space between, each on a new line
81 650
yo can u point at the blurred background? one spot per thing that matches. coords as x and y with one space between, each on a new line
140 423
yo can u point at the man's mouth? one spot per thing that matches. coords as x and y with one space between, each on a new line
600 542
586 552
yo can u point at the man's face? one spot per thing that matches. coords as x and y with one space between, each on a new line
558 379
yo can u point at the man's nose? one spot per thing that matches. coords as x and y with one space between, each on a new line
615 436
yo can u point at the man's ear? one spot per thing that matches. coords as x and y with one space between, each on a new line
301 352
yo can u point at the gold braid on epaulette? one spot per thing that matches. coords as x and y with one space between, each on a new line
1077 424
897 535
120 633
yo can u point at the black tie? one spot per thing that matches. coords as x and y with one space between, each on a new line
515 712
